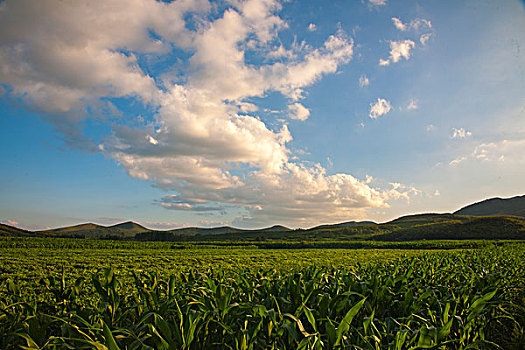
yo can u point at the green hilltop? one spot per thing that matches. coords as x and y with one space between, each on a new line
514 206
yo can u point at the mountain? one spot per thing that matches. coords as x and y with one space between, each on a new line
223 230
129 226
274 228
514 206
89 230
494 218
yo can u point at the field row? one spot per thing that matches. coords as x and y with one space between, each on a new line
444 300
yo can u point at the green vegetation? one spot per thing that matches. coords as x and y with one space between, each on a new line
100 294
496 206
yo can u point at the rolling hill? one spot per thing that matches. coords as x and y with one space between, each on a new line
8 230
514 206
455 227
123 230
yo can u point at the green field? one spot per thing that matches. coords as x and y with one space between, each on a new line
95 294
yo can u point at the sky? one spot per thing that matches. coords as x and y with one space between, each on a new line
259 112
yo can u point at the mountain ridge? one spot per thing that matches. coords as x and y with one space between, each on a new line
513 206
486 221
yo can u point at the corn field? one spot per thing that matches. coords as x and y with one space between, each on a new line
460 299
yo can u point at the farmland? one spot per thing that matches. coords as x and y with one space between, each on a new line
71 293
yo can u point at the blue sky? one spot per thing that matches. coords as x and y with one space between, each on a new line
260 112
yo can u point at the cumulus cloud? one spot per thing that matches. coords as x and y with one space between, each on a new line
412 105
416 24
398 50
298 111
399 24
457 160
460 133
423 39
378 2
202 139
379 108
64 57
363 81
175 202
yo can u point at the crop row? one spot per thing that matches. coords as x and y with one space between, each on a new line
451 300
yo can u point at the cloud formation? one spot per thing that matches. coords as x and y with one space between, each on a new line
499 152
416 24
412 105
378 2
203 139
424 38
511 151
363 81
379 108
460 133
298 111
398 50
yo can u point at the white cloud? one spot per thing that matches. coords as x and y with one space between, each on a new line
460 133
379 108
421 23
64 58
383 62
151 140
398 50
423 39
312 27
412 105
399 24
456 161
298 111
430 127
209 147
281 52
363 81
416 24
378 2
511 151
499 152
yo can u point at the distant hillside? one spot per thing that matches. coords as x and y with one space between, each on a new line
345 224
129 226
7 230
496 206
191 231
422 219
89 230
278 228
459 227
